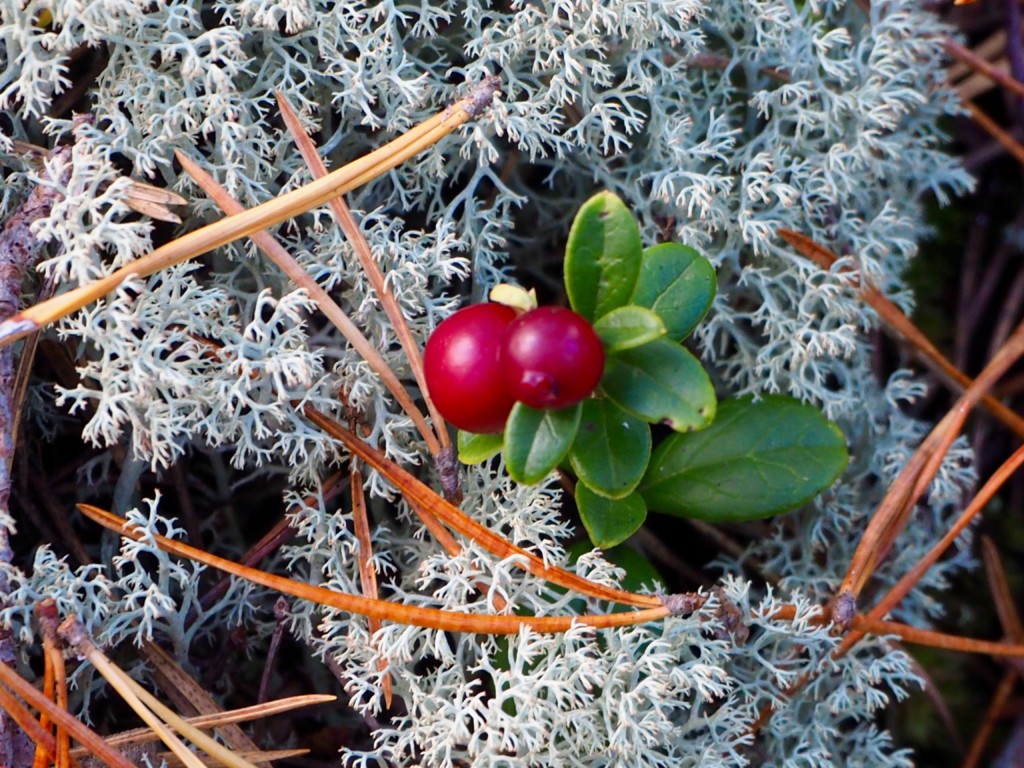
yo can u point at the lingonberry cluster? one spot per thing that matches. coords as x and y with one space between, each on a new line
484 358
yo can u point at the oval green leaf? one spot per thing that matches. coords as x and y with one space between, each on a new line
678 284
611 449
602 256
609 521
535 441
661 382
756 460
627 327
474 448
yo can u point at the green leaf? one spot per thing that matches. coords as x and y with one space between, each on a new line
678 284
609 521
661 382
757 459
602 257
535 441
627 327
474 448
611 449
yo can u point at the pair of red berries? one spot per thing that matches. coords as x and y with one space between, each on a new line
484 358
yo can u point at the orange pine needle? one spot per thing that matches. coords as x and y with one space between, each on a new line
905 584
43 756
431 618
901 326
894 511
934 639
371 268
61 717
53 655
287 264
43 739
367 575
423 497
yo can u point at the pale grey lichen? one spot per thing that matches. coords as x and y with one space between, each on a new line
716 123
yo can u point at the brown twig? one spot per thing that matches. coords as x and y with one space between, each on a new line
992 128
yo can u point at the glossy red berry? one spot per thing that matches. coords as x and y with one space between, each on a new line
461 368
551 357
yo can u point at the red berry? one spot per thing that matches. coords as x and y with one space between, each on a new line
551 357
461 368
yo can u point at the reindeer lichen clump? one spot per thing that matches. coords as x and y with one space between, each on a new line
717 124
